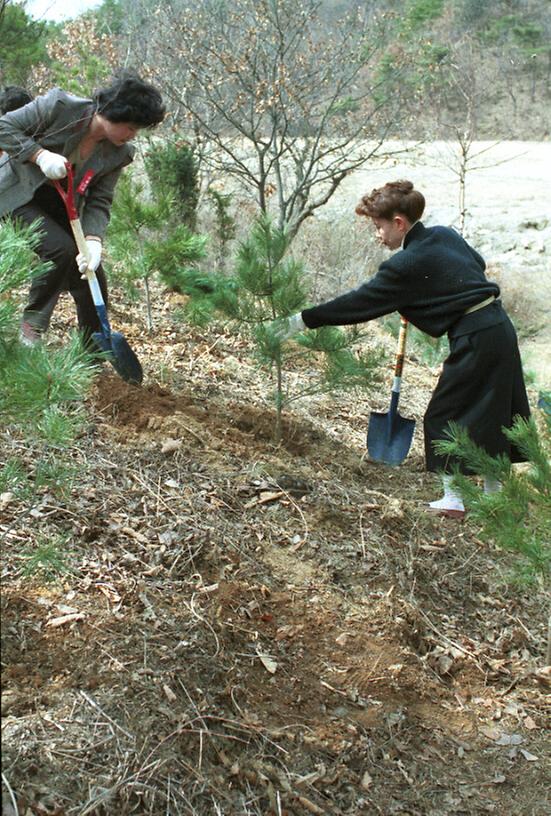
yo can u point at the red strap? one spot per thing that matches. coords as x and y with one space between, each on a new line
85 182
68 195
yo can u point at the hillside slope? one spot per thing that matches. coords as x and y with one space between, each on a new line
258 629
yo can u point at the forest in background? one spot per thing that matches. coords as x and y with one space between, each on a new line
435 64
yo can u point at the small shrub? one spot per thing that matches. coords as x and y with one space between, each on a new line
173 171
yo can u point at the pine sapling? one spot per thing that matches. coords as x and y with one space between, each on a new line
42 389
517 517
268 285
225 224
143 242
173 171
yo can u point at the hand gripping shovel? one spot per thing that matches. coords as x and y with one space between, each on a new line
120 355
389 435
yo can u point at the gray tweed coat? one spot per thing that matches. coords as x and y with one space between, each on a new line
58 121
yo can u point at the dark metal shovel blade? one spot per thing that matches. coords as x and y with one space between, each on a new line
389 437
121 356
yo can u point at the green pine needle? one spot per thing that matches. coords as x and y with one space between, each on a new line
518 518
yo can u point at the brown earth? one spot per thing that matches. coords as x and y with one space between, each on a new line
252 628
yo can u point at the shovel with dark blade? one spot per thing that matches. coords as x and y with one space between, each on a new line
114 344
389 435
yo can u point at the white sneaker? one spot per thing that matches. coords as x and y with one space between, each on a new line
450 506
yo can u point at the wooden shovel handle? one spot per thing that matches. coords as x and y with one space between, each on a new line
402 337
80 238
68 196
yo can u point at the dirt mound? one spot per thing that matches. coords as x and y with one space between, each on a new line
155 408
125 404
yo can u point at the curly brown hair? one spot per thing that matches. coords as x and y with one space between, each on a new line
395 197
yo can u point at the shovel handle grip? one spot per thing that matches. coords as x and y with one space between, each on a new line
80 241
400 356
78 233
68 196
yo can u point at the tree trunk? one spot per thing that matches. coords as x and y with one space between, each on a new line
148 305
279 403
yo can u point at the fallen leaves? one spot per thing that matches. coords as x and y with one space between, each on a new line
392 510
64 619
444 660
509 739
171 445
5 500
110 593
543 676
169 694
220 528
265 497
367 780
505 740
528 756
268 662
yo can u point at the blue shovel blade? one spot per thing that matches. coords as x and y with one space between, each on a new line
121 356
389 437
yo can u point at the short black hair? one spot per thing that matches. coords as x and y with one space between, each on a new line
13 97
130 99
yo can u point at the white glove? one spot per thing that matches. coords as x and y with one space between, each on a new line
286 328
94 251
51 164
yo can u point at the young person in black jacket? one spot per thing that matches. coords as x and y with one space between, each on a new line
437 281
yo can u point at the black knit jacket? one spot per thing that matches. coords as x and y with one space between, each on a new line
432 281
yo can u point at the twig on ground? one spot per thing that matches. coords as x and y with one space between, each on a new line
11 795
195 614
451 642
156 495
107 717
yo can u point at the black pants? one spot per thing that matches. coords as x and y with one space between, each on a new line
57 245
482 389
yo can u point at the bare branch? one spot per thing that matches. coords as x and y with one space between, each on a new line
277 101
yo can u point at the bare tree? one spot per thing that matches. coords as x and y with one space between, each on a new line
466 92
275 96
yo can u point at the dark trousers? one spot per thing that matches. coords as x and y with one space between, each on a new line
482 389
57 245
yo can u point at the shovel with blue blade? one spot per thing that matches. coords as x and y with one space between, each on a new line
114 344
389 435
